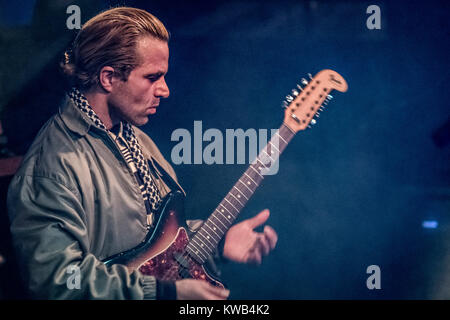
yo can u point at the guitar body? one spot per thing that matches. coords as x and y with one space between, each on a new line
162 254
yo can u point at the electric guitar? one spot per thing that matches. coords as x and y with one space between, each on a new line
168 252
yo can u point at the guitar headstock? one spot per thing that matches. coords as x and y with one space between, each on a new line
304 104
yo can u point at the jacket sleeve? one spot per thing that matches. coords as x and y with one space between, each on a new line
51 241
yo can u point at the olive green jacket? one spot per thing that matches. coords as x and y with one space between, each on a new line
75 202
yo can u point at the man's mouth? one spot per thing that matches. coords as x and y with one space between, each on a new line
152 109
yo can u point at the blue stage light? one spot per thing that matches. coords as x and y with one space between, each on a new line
430 224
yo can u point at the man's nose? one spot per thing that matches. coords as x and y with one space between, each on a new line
162 90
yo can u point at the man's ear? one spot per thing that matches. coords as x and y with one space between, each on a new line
106 78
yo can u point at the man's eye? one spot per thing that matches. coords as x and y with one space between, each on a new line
154 78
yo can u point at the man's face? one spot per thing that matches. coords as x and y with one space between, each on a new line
138 97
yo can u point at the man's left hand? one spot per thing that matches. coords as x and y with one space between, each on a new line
244 245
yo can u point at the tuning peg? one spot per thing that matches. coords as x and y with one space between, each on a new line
317 115
325 102
329 97
284 104
298 86
289 98
304 82
295 92
310 76
313 121
321 109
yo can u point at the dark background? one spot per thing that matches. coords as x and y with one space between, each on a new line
353 192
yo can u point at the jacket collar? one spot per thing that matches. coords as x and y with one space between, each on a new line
74 118
79 123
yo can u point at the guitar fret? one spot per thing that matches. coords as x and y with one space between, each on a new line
199 246
251 178
220 220
262 164
225 215
237 199
274 149
258 159
213 232
240 192
221 213
268 155
273 146
257 171
207 237
229 217
246 186
198 250
291 131
278 133
215 226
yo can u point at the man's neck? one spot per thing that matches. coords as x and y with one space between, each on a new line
99 103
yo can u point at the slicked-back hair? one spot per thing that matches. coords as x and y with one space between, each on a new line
110 39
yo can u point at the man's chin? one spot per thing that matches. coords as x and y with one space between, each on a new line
139 122
143 118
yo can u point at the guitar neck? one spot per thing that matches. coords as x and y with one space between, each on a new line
203 244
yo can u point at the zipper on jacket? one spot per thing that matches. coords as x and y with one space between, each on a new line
116 150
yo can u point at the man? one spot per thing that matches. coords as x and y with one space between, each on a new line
92 181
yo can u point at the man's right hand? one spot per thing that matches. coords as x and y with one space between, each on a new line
191 289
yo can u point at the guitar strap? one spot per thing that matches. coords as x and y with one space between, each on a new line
168 180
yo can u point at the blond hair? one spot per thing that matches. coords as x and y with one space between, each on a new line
110 39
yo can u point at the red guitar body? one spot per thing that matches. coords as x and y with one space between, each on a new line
162 254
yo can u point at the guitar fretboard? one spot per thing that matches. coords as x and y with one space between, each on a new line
203 244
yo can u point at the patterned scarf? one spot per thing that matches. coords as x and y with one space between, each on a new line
149 190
